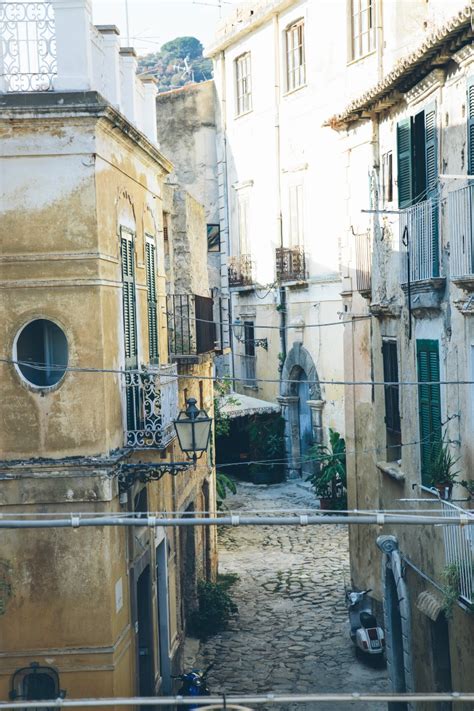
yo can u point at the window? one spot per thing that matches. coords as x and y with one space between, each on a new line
36 683
213 238
429 401
392 407
43 343
387 178
362 27
243 75
249 338
470 126
127 252
150 254
243 216
165 226
295 60
296 235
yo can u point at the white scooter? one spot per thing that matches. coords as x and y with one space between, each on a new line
367 636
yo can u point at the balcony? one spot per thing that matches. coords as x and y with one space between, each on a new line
459 549
419 242
290 264
461 234
151 401
248 370
363 260
191 326
240 271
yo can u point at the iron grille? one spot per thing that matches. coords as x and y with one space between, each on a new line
191 326
290 264
363 255
240 271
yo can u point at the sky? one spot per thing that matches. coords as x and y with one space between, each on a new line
154 22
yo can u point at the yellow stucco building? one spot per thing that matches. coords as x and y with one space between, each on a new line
88 384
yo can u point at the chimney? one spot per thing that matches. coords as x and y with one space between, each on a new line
128 66
73 45
149 109
111 44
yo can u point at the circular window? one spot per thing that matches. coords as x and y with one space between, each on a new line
43 344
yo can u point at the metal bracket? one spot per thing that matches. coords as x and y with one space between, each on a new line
128 474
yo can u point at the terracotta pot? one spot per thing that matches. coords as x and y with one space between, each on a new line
325 504
444 490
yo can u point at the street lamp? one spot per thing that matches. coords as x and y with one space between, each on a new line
193 427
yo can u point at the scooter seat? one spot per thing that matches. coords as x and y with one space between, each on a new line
367 620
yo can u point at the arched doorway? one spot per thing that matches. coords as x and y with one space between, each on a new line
300 385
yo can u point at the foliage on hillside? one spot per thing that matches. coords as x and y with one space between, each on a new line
178 62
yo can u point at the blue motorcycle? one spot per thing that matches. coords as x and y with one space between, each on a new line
194 683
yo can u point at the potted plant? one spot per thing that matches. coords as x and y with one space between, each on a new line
441 468
329 479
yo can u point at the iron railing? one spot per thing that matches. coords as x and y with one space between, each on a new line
461 231
191 326
290 264
248 370
151 403
419 242
240 270
27 46
363 261
459 549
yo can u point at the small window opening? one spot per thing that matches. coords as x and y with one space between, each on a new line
44 344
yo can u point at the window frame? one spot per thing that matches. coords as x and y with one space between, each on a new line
21 375
392 399
357 8
295 71
152 301
243 84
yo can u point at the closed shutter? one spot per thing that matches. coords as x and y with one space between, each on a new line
431 159
129 303
151 302
429 401
405 172
390 375
470 126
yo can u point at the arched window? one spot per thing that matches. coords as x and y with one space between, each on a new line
36 683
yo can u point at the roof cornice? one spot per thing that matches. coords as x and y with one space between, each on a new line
435 52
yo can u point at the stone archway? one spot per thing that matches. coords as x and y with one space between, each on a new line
301 407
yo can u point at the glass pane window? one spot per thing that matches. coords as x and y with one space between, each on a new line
362 27
244 83
295 56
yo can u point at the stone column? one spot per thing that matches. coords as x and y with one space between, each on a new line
316 407
73 45
128 62
149 109
111 43
289 406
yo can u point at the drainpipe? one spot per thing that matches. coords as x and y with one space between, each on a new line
281 288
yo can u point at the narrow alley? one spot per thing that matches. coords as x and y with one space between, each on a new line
291 633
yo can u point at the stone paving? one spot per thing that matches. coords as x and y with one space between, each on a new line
291 633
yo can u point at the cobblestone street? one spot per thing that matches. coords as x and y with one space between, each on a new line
291 633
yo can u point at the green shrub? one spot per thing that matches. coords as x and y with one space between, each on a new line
215 607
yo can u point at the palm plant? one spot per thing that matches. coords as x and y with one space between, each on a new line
330 478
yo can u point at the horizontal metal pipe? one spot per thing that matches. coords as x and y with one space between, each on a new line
258 699
75 521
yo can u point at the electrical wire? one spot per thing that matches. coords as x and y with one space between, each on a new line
173 376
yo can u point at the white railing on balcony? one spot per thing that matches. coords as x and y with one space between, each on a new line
459 548
419 242
151 402
27 46
461 232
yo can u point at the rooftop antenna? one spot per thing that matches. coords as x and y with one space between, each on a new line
127 25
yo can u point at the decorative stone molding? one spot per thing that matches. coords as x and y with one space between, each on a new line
385 309
316 407
392 470
299 357
465 56
430 83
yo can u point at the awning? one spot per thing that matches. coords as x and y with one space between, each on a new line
236 405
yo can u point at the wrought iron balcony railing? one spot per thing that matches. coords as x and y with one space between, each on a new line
28 47
419 242
461 232
151 402
191 325
240 270
290 264
248 370
459 549
363 260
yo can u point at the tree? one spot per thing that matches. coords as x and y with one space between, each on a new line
178 62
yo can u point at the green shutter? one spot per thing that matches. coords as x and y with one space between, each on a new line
129 303
151 302
405 172
431 162
470 126
429 401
